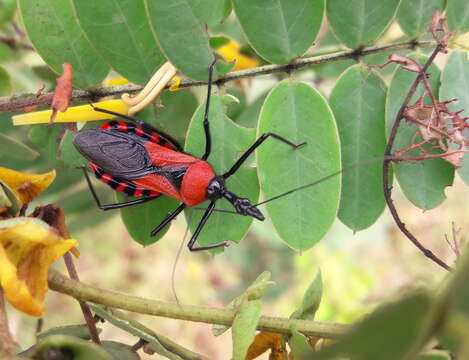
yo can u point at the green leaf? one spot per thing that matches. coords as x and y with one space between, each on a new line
130 326
133 53
7 11
10 199
69 347
79 331
141 219
244 327
12 148
229 141
5 83
311 300
280 30
454 85
299 113
423 183
68 152
254 292
46 138
397 331
361 22
434 355
4 200
250 115
300 346
175 113
236 102
357 101
414 16
211 12
181 36
218 41
458 15
54 31
454 304
119 351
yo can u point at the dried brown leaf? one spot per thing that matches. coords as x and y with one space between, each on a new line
63 91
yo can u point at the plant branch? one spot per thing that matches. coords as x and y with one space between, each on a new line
8 346
386 186
18 102
83 292
90 323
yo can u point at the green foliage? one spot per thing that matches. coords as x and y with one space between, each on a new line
280 30
422 183
357 101
415 15
302 218
181 36
361 23
120 33
454 80
458 15
62 41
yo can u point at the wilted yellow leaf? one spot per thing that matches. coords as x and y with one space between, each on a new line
264 341
26 186
28 247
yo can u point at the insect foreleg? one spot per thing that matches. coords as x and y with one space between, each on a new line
197 231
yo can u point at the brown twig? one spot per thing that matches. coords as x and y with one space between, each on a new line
7 344
386 186
18 102
89 319
54 216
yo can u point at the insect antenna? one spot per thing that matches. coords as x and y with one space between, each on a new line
325 178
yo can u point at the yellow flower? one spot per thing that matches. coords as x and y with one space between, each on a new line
230 52
111 81
74 113
28 246
26 186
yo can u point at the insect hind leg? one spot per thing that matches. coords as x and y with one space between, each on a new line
116 205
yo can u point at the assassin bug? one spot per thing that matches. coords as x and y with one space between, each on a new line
135 158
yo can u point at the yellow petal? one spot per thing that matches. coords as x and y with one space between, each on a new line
74 113
26 186
28 247
175 85
111 81
230 52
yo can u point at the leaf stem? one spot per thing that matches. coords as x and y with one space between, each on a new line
83 292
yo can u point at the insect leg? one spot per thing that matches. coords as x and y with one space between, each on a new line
123 116
168 219
117 205
208 138
202 222
253 147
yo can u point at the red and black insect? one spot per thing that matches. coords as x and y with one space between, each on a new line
134 158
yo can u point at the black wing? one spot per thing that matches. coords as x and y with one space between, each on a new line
122 155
